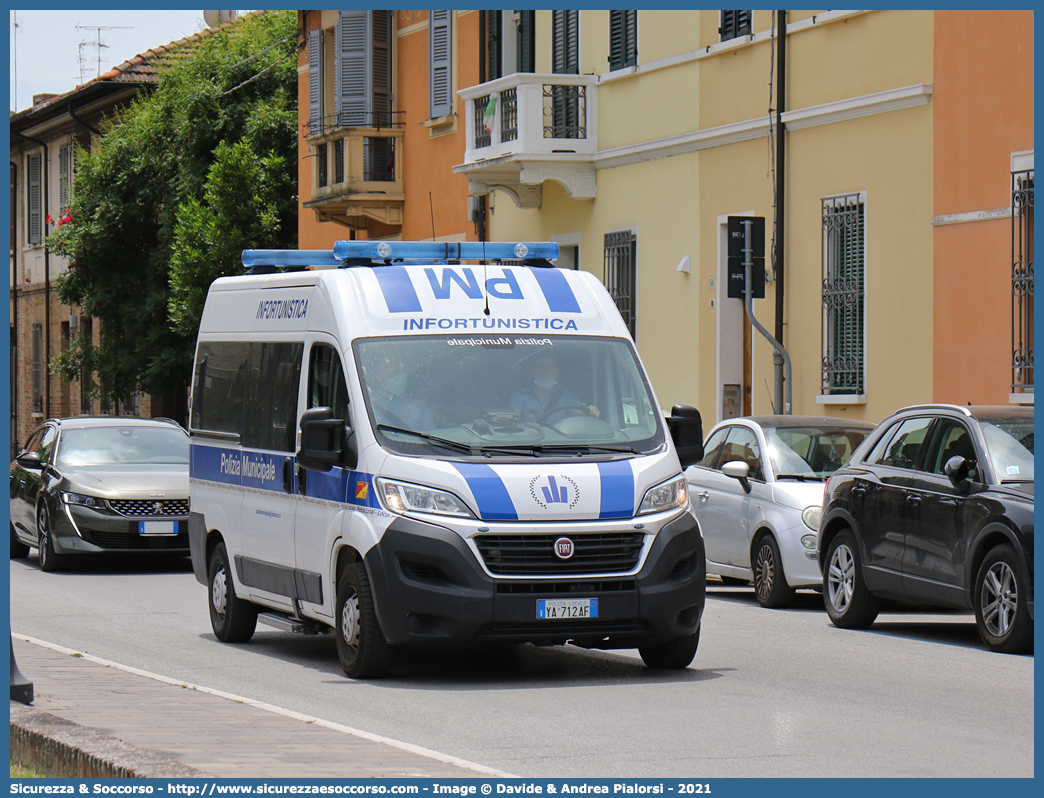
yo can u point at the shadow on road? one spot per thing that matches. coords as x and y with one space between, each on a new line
118 564
476 667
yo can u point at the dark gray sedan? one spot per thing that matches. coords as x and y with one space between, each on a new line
89 485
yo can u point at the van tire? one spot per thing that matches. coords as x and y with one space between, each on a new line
233 619
361 647
672 655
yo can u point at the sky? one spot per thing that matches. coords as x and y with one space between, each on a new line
47 45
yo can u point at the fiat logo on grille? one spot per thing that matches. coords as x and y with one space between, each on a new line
564 548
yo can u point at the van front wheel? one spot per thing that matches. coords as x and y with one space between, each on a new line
672 655
361 647
232 619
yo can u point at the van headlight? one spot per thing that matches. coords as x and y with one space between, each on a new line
665 496
402 497
811 515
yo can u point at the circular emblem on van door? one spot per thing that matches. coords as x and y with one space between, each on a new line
564 548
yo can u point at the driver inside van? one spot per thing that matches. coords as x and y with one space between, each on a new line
545 400
392 403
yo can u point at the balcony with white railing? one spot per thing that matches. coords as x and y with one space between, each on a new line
356 174
526 128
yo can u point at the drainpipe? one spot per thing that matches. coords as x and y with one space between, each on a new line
47 273
81 122
781 104
781 353
14 314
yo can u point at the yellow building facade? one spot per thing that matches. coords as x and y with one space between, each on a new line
639 133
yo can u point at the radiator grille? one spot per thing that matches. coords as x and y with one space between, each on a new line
151 508
116 540
534 555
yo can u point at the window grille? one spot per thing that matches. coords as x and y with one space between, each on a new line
565 112
338 154
734 24
379 159
509 115
623 39
321 164
843 294
621 249
482 136
1022 315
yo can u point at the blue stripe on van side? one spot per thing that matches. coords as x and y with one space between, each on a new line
398 289
557 291
489 490
617 489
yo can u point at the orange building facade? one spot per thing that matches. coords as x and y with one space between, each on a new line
983 207
382 166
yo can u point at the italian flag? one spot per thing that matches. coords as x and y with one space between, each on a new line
491 109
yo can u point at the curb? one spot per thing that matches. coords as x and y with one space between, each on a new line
61 748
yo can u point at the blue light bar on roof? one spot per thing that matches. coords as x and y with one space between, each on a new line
289 257
448 250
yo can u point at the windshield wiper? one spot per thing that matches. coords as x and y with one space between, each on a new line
449 444
800 477
560 448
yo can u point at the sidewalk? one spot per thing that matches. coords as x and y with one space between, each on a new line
155 727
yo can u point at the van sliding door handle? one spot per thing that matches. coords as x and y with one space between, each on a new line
288 475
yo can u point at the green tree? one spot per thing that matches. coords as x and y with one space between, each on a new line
180 182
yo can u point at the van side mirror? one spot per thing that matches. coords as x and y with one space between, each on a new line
686 427
325 441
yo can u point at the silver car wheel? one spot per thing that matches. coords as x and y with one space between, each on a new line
999 599
218 592
43 523
765 570
841 578
351 622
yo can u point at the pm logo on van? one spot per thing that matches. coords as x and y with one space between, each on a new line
550 490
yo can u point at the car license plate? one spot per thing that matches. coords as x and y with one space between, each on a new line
552 609
157 527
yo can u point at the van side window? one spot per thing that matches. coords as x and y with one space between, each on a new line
249 389
326 383
271 398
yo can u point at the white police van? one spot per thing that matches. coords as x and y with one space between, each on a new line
407 448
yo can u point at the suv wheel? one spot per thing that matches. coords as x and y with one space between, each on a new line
1000 603
848 602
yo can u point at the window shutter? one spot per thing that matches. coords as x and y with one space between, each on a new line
382 68
64 175
34 186
315 82
352 103
565 42
526 41
495 62
440 54
623 39
13 207
734 24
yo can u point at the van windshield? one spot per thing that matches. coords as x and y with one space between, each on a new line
524 395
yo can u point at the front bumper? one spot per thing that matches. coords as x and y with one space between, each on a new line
79 530
428 587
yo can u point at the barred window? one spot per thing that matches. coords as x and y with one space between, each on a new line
621 250
734 24
1022 317
844 249
38 368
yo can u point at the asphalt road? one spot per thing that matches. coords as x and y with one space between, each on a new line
770 693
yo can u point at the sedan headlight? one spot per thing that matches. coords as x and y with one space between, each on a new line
93 502
665 496
811 515
402 497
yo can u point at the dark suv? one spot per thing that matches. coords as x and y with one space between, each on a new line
936 507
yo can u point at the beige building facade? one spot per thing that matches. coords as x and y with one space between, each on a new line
646 130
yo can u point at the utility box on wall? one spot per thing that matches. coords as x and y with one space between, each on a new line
737 273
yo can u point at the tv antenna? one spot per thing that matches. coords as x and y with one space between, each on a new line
98 44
